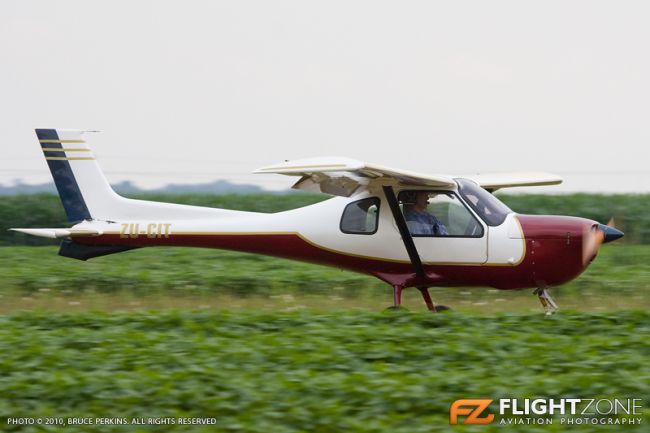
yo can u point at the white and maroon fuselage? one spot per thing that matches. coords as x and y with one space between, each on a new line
525 251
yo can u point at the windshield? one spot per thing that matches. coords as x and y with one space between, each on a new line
438 214
487 206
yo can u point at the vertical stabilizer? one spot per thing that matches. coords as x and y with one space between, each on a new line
83 189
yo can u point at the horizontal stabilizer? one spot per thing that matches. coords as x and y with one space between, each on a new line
58 233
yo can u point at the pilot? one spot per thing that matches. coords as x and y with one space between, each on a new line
420 221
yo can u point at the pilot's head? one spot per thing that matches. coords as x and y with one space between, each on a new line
421 200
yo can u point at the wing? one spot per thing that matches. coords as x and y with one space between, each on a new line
345 176
494 181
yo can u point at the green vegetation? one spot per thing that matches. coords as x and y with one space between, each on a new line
177 270
306 371
632 212
619 270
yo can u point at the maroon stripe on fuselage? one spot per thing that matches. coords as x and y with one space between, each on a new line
292 246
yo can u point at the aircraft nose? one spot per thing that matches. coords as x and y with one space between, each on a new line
611 234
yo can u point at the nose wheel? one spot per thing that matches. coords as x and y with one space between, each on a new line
547 302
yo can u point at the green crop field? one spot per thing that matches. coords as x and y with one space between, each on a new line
311 372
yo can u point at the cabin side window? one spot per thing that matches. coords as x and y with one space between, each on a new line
438 214
361 217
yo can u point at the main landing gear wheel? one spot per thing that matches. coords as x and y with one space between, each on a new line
397 309
397 301
430 305
401 309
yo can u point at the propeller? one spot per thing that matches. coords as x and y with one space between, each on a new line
595 236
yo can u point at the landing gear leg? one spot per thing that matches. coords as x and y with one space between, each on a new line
427 299
548 303
430 305
397 298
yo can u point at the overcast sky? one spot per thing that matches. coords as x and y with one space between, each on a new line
192 91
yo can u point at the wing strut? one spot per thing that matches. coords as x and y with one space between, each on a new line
404 231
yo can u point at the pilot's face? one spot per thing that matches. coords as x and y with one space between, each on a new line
422 199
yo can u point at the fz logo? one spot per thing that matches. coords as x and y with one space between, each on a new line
472 408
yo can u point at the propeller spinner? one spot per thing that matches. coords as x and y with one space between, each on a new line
595 236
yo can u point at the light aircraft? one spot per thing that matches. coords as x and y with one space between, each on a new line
407 229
